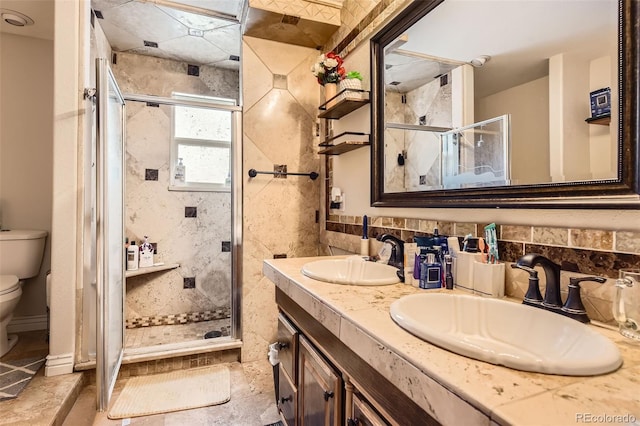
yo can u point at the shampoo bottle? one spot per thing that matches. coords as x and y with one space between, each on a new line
132 256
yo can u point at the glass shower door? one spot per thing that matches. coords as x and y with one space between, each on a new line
110 232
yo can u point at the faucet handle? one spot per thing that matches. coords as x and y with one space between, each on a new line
533 297
573 307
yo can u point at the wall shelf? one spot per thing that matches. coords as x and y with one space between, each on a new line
602 120
151 269
345 105
343 147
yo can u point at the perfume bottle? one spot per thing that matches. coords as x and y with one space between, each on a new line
430 272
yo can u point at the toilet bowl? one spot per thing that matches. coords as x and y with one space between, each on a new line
22 251
10 292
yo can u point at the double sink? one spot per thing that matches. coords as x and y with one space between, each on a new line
491 330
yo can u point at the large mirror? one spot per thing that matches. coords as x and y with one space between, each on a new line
507 103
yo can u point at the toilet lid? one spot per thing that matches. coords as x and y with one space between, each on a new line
8 283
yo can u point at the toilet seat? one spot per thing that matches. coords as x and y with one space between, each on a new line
8 284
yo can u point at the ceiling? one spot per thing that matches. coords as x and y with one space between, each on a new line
199 32
41 11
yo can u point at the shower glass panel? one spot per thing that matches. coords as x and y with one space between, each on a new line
477 155
109 221
190 225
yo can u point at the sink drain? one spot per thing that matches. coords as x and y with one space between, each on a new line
212 334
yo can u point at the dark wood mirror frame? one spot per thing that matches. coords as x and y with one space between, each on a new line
620 193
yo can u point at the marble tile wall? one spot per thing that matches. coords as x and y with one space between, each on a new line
580 252
281 100
193 238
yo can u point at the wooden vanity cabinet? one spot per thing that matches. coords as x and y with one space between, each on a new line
288 347
287 399
287 392
363 414
334 385
320 395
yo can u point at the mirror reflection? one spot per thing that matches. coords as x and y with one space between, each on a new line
499 93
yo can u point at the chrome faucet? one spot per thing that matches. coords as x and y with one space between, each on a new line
573 307
397 252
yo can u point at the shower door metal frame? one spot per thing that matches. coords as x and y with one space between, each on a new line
106 377
236 194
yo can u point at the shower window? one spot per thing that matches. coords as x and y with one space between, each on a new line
201 143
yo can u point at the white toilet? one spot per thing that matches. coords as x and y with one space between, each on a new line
21 254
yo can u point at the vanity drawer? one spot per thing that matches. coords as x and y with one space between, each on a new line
364 414
288 348
287 399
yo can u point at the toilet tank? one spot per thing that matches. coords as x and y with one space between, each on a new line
21 252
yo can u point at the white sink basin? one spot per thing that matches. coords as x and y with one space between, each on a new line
506 333
352 270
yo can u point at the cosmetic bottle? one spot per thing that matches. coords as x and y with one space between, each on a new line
133 251
430 272
448 275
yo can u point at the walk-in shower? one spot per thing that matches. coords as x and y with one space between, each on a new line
188 301
188 219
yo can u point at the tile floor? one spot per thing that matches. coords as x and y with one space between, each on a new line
66 400
44 400
161 334
252 403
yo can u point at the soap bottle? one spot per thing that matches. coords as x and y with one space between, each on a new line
180 171
132 256
146 254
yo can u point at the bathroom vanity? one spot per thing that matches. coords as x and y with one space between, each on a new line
358 366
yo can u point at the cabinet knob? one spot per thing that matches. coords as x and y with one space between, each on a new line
353 422
327 395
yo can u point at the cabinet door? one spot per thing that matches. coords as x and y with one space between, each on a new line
319 389
287 397
288 339
364 414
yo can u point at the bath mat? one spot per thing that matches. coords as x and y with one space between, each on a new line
16 374
174 391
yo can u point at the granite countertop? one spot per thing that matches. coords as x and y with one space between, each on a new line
455 389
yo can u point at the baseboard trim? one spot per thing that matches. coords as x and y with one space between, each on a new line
27 323
59 364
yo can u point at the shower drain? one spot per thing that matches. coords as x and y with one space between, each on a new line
212 334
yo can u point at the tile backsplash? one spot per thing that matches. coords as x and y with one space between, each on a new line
580 252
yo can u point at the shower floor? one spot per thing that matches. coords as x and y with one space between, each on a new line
164 334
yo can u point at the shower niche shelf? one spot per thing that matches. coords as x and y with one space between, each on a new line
151 269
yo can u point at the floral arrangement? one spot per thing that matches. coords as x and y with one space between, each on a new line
328 69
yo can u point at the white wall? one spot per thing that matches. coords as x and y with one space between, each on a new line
26 147
529 127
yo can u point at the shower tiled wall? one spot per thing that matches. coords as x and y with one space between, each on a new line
580 252
189 228
281 99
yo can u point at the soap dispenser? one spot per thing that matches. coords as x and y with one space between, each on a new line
179 171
